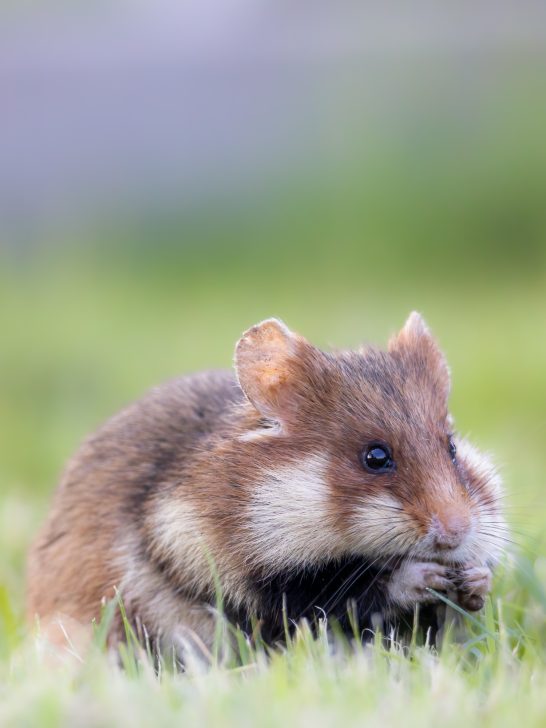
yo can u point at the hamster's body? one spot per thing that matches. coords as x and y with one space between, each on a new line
257 483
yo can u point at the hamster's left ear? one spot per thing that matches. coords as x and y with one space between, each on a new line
416 343
273 366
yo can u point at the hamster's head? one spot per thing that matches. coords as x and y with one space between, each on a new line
354 453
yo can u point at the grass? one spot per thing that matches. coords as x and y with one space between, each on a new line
492 675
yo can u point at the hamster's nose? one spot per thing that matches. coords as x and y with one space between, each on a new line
448 530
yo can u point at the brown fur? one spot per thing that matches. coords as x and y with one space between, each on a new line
172 484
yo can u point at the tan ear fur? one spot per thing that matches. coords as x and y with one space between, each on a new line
265 363
414 329
415 342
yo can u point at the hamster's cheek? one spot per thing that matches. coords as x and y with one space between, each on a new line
290 516
380 527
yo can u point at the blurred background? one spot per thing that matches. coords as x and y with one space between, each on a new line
173 172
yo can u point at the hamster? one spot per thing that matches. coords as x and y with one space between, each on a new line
302 484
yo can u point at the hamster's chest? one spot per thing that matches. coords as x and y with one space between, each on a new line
314 592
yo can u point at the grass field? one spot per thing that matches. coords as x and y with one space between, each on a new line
85 329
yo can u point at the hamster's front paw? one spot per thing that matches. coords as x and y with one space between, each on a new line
473 584
409 584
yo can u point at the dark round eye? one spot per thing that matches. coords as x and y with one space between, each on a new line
452 448
377 458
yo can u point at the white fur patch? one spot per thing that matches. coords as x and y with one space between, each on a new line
380 527
260 433
289 518
178 538
186 626
482 465
178 535
490 530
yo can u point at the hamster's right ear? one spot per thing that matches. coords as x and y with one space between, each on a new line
268 367
417 343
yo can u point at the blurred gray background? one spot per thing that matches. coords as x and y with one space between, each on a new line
124 110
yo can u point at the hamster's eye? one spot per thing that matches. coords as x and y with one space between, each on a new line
452 448
377 458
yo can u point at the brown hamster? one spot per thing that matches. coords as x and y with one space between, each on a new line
307 479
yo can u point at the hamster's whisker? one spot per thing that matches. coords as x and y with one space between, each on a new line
347 584
359 571
500 537
387 565
336 598
379 539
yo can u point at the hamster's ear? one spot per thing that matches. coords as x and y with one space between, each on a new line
415 341
268 366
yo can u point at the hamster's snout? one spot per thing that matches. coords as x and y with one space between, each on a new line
449 530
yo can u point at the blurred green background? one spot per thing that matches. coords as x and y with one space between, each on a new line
437 204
